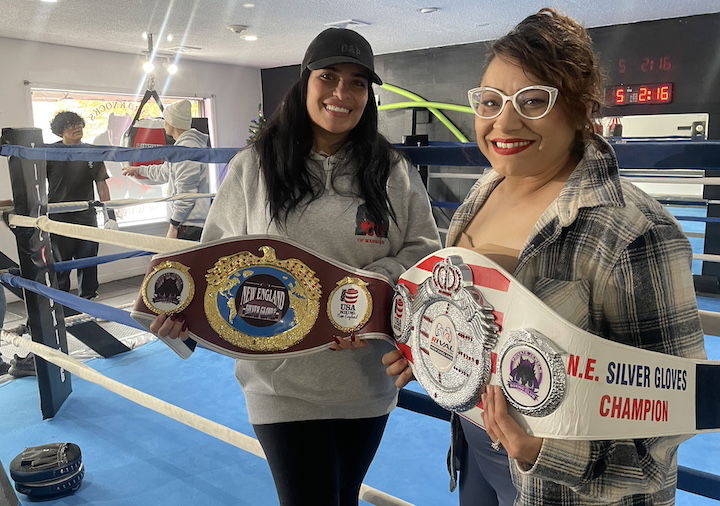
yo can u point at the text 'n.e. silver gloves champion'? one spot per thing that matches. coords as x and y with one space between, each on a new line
463 322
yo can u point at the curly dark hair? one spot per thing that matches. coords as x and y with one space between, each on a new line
64 119
557 50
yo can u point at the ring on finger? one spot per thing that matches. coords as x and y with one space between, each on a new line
496 445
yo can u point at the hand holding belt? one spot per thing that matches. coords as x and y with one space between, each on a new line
263 297
463 322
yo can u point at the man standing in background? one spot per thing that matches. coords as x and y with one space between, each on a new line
71 181
187 217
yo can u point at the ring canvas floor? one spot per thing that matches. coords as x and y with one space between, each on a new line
134 456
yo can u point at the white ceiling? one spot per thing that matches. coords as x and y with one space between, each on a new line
285 27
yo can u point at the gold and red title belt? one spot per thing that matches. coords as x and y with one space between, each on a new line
263 297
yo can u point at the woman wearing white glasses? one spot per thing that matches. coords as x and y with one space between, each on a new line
601 253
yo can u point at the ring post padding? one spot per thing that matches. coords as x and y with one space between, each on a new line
46 319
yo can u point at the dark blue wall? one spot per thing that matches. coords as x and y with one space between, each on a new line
445 74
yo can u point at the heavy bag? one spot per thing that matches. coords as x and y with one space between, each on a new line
147 132
48 471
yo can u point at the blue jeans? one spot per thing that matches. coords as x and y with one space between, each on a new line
484 473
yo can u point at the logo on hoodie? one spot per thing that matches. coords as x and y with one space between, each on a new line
365 227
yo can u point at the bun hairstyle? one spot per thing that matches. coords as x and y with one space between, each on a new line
558 51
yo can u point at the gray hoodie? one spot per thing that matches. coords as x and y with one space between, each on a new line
327 384
184 177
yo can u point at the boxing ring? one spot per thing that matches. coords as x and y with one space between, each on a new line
409 434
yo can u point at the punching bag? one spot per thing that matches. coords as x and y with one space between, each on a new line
146 133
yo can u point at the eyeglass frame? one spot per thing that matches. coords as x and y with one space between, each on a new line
73 126
552 91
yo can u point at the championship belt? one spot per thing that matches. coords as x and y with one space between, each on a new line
463 322
263 297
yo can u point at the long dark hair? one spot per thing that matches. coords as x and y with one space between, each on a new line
284 144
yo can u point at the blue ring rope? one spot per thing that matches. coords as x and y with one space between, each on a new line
115 154
645 154
95 309
81 263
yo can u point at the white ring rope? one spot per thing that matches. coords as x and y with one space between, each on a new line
640 179
145 242
214 429
706 258
179 196
183 416
129 240
81 205
674 180
67 207
710 321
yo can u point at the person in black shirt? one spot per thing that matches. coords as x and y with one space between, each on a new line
71 181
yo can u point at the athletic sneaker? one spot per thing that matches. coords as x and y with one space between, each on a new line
20 367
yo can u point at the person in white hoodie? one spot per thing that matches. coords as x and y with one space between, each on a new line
187 217
321 175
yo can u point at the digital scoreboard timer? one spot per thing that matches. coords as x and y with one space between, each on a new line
639 94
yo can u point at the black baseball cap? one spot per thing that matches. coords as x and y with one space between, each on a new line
340 45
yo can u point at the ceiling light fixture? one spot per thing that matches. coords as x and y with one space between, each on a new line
169 37
184 49
144 35
49 1
249 5
346 23
154 58
250 38
428 10
237 28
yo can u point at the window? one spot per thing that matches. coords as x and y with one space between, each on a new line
107 117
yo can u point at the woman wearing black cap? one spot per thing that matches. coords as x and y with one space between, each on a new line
320 174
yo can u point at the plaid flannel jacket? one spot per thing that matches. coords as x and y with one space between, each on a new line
608 258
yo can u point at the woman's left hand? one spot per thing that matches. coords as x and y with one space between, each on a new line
502 428
352 342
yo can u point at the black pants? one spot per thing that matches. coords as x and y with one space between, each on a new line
320 462
189 232
69 248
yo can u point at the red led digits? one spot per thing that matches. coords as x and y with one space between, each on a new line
639 94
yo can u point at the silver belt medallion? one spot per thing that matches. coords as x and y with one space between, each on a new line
452 333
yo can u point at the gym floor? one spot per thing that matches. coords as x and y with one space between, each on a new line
134 456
